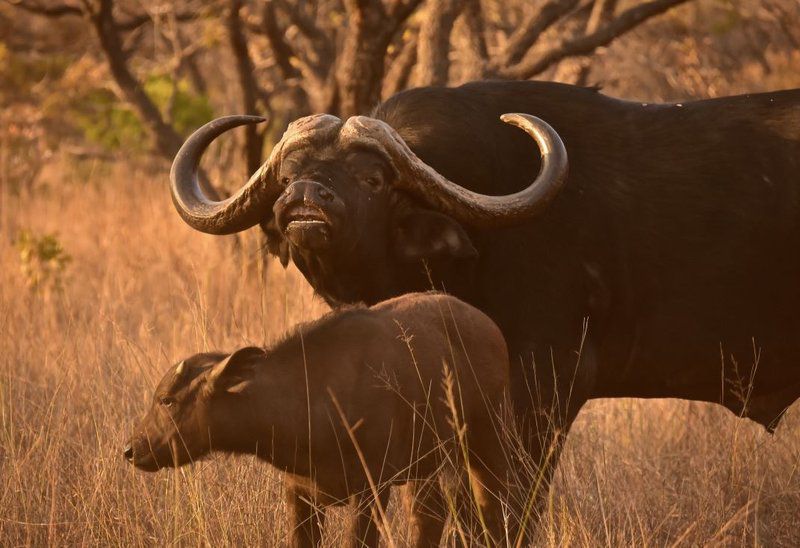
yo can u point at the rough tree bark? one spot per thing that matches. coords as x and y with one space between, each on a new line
433 51
475 34
360 68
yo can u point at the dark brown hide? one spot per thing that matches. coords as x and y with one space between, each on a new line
666 266
674 236
383 373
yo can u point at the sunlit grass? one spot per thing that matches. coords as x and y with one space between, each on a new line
78 363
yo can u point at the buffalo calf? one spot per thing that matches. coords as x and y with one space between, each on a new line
348 406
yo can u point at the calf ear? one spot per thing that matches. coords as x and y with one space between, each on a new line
233 373
424 234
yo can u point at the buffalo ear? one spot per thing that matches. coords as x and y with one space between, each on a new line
233 373
424 234
276 244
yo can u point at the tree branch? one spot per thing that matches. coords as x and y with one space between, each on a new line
254 140
136 21
55 11
528 34
396 78
400 10
167 139
360 66
433 51
322 47
305 25
47 11
584 45
476 33
602 13
184 57
282 52
307 60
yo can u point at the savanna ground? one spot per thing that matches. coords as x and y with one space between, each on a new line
91 317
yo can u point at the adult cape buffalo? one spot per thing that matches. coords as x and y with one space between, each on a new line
666 263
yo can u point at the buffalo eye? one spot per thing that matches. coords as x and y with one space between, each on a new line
284 181
167 401
374 182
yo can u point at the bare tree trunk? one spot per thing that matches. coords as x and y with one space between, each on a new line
283 53
254 139
475 33
360 67
433 51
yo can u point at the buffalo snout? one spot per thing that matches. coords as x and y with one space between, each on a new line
307 192
139 453
306 213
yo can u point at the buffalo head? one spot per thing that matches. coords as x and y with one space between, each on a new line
194 406
334 191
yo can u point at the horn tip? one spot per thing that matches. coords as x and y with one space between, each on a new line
516 117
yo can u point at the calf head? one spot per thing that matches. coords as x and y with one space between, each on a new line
349 202
194 409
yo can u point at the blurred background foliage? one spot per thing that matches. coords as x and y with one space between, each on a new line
43 260
63 95
103 119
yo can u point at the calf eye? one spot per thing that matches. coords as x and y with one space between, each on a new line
167 401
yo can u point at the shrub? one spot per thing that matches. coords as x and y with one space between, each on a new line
43 260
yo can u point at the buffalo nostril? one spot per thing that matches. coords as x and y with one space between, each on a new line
325 194
128 452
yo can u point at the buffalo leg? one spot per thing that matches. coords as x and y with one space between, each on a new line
426 511
368 519
306 520
479 506
547 397
488 481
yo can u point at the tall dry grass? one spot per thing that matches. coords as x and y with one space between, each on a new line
77 366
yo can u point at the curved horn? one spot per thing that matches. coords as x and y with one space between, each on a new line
254 200
239 212
462 204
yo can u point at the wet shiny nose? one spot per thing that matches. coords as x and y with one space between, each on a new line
314 192
128 453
